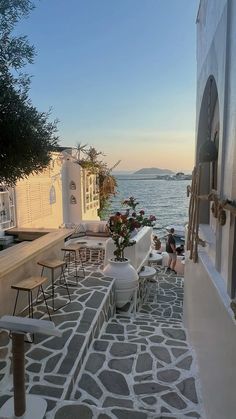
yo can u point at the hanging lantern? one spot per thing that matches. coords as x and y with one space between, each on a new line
208 151
108 185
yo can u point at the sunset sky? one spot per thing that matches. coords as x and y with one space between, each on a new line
119 75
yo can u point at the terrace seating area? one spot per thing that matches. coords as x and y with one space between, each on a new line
110 364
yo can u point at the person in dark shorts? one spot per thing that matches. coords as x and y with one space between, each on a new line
171 250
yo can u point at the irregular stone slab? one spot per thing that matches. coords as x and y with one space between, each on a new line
143 377
73 307
193 415
58 342
174 400
2 365
123 365
95 300
73 350
175 343
175 334
161 353
100 345
4 338
55 379
88 384
58 319
114 382
3 353
168 376
150 400
95 362
147 328
74 412
149 388
34 367
123 349
178 351
92 282
128 414
188 389
144 363
140 340
103 416
67 325
38 354
52 362
116 329
112 401
185 363
86 320
156 339
46 391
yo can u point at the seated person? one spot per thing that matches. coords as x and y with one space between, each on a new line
180 250
157 243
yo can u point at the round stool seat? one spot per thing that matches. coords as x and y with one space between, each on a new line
147 272
155 258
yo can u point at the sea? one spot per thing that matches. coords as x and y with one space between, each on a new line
166 199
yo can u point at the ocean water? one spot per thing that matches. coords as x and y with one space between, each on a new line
166 199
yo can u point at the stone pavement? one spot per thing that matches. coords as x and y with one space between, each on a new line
52 364
141 367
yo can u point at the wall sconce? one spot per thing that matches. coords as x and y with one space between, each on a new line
208 152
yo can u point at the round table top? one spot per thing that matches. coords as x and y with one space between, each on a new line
148 272
155 257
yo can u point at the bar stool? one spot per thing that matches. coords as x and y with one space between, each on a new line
28 285
54 264
70 255
146 273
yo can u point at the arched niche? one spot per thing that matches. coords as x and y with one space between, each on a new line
73 200
208 129
72 185
52 195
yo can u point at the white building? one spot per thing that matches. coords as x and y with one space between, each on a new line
63 193
210 283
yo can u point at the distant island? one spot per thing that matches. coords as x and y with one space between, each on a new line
153 171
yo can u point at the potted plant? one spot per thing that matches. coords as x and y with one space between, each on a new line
121 228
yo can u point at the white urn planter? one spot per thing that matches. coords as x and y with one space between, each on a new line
126 280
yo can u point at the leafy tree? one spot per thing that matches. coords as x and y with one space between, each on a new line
26 135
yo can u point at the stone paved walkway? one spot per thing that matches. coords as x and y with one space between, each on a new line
52 364
110 366
140 368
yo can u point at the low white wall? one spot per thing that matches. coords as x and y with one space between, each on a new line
138 253
212 332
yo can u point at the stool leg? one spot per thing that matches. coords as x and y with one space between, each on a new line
53 290
45 300
66 285
17 295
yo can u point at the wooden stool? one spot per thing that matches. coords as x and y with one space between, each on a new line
29 285
54 264
70 255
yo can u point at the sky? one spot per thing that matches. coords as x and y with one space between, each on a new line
119 75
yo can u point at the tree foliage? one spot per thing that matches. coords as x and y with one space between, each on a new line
27 137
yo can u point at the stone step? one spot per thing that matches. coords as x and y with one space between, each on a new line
146 332
151 376
52 363
68 410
